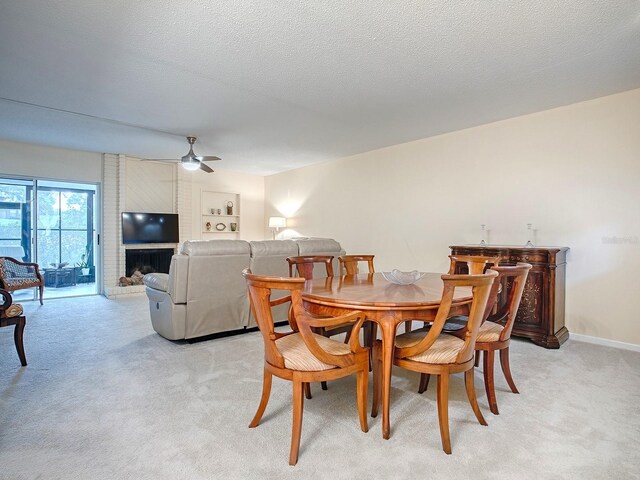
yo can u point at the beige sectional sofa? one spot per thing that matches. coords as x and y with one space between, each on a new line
204 292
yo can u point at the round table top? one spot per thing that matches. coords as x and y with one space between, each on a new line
373 292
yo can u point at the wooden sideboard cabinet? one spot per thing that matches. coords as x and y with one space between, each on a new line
541 313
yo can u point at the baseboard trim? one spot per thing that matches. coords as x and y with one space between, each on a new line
604 341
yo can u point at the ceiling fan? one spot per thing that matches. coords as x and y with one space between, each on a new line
191 161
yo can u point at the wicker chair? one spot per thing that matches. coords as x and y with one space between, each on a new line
17 275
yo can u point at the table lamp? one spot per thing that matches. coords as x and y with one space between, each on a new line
276 223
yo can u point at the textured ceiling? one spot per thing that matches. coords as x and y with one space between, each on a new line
270 86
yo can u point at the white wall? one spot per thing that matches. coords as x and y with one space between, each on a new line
573 172
49 162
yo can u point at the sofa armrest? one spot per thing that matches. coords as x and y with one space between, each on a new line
178 277
157 281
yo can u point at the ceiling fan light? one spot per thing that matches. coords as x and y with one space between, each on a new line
191 165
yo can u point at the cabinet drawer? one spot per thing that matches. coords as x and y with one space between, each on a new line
529 257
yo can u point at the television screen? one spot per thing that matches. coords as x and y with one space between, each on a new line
138 227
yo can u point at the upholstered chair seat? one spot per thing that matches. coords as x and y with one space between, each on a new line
298 357
489 332
444 350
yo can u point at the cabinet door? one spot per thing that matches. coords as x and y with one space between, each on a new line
530 315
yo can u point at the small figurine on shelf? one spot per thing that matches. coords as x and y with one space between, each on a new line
208 226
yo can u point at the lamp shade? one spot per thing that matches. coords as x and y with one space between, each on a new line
277 222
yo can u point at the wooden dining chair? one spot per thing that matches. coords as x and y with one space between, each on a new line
301 355
433 352
471 264
463 264
495 333
349 264
303 266
467 264
495 330
12 314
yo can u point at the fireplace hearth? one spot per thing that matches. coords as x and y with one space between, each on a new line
147 260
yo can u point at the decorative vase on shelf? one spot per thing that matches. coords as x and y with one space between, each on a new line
229 207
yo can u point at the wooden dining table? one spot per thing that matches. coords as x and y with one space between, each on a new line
387 304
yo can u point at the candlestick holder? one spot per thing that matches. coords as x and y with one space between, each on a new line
529 236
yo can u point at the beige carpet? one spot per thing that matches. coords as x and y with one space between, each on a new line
105 397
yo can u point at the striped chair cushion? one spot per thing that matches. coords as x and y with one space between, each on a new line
14 310
444 350
298 357
489 332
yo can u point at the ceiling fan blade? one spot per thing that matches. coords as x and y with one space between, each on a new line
206 168
160 160
208 158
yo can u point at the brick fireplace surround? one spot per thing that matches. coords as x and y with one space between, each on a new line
115 185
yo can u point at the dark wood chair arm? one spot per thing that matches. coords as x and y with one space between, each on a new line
7 300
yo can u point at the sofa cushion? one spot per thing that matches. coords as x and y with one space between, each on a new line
218 247
266 248
318 246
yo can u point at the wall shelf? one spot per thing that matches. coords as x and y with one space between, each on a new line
211 200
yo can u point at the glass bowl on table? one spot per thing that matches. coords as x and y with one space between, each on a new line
403 278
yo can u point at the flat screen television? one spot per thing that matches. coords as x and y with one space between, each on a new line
140 227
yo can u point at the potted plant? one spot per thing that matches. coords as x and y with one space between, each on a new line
85 260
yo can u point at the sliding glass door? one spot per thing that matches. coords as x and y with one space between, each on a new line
53 224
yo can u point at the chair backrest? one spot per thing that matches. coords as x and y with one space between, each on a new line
480 287
304 265
475 263
349 263
260 288
517 276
